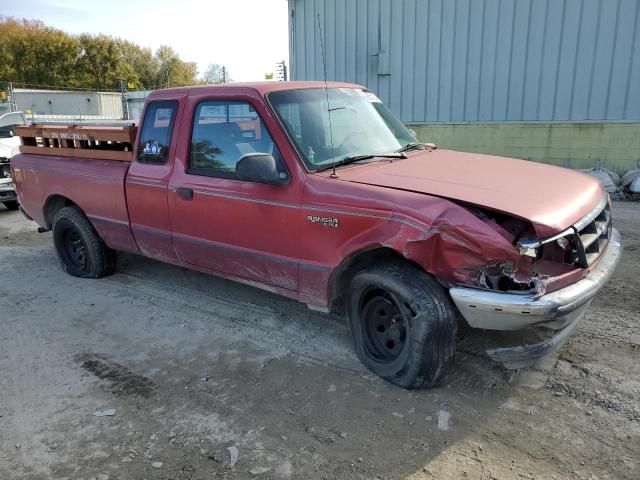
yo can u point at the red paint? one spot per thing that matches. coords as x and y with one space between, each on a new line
260 234
551 198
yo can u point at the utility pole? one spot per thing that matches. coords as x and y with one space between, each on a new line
125 101
12 101
224 74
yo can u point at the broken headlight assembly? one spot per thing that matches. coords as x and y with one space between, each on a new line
503 277
540 259
530 246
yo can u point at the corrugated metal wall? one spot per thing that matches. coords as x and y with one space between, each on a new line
478 60
60 102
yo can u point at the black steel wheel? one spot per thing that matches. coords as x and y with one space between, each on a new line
80 248
385 324
75 250
403 324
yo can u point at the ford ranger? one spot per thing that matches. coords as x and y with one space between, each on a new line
318 192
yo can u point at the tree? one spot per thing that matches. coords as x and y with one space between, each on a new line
27 48
216 74
173 72
138 67
98 62
34 54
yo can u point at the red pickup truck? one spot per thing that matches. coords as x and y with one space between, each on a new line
320 194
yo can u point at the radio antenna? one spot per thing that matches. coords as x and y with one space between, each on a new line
326 92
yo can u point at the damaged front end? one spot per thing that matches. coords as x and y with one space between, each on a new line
549 287
541 266
502 277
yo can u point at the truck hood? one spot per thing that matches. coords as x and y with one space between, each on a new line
551 198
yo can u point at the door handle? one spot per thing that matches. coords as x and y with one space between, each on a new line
185 193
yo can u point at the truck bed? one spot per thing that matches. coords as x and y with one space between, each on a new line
97 186
82 141
85 163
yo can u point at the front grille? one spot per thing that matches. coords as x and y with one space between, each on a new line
592 238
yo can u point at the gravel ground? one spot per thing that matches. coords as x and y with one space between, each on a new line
158 372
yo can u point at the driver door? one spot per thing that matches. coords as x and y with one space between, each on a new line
242 229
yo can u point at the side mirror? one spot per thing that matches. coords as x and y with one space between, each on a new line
261 168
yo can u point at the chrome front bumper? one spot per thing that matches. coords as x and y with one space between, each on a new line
511 311
560 310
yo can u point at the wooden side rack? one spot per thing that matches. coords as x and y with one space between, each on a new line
90 141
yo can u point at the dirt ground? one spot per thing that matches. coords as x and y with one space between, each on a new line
161 373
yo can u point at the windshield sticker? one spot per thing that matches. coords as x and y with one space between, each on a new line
352 92
372 97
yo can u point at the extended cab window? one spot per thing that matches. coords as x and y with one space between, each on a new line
157 128
223 132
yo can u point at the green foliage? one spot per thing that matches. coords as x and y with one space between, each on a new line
34 54
215 74
173 71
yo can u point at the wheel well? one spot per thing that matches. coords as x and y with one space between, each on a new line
343 275
52 205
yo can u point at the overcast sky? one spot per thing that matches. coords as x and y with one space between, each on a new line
248 36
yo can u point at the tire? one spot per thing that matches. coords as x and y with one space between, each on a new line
403 324
12 204
80 249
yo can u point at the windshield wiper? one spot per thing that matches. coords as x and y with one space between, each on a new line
412 146
366 156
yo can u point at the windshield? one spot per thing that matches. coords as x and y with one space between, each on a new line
359 124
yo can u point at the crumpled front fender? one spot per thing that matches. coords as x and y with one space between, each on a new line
457 246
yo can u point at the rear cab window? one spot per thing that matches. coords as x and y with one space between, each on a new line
157 128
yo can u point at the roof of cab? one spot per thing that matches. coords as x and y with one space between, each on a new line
261 87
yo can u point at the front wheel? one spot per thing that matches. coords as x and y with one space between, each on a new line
403 324
80 248
12 204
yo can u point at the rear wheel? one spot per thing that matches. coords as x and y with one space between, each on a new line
12 204
403 324
80 248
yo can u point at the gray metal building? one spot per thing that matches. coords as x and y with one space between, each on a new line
135 101
484 62
69 103
478 60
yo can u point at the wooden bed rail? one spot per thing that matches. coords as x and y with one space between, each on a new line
89 141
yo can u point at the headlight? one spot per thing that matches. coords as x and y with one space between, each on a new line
528 247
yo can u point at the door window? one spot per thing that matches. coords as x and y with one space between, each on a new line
157 128
223 132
